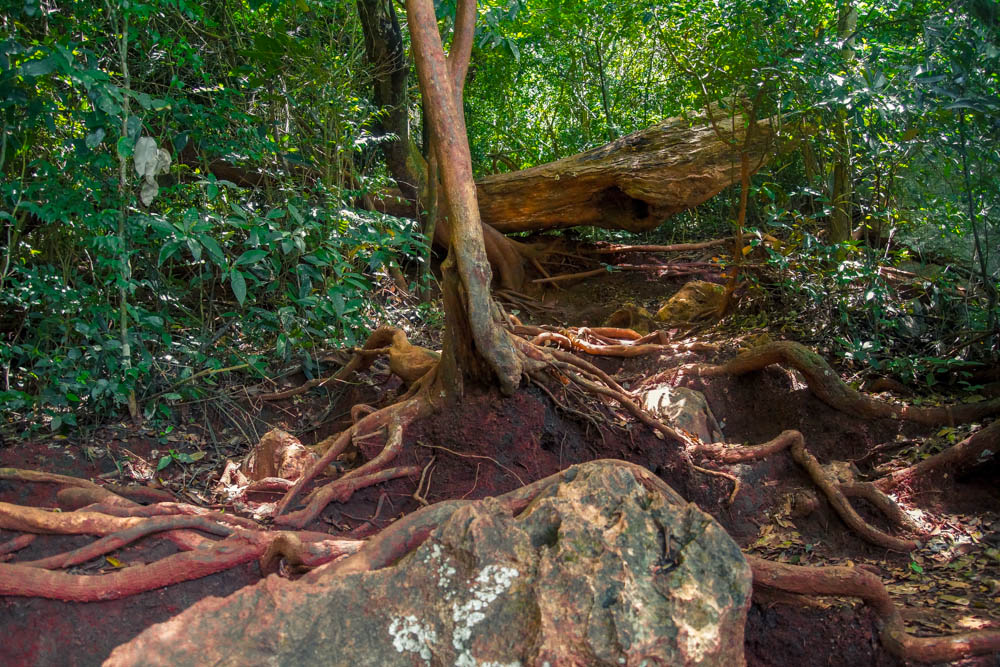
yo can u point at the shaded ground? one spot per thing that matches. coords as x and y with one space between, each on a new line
491 446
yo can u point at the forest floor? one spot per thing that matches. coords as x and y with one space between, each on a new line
491 445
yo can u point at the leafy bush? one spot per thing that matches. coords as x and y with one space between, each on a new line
129 266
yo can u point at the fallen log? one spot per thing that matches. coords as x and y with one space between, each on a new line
633 183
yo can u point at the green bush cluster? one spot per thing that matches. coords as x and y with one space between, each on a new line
193 272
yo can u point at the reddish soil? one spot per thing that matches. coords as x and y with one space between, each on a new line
489 446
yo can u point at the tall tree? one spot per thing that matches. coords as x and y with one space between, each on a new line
841 216
386 57
476 344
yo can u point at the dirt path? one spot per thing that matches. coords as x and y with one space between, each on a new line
493 446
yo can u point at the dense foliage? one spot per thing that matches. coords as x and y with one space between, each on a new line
185 185
248 240
903 94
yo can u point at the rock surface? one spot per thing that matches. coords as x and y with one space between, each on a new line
684 408
597 570
697 300
278 454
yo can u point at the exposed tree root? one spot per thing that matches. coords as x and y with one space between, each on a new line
676 247
16 544
408 361
836 393
201 557
593 342
571 366
399 414
965 454
209 558
834 492
117 540
419 403
841 581
340 491
887 506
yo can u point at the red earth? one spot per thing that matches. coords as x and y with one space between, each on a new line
490 445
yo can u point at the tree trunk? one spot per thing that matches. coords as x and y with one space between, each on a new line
386 56
841 217
633 183
476 346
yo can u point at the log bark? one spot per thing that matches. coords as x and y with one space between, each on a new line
633 183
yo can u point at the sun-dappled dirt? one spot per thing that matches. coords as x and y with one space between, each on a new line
489 445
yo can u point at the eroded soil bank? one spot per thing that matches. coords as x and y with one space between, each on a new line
489 446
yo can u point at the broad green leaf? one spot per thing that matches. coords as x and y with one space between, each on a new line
167 251
39 67
214 251
250 257
124 147
239 285
95 138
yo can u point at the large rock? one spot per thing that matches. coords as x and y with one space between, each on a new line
697 300
684 408
596 571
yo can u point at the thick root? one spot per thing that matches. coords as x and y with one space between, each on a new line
962 455
410 362
109 543
211 557
840 581
834 491
833 391
397 415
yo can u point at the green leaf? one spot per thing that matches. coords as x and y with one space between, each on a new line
250 257
124 147
167 251
39 67
56 423
195 249
95 138
214 251
164 462
239 285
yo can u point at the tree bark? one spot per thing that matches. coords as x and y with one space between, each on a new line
386 56
633 183
841 215
476 346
